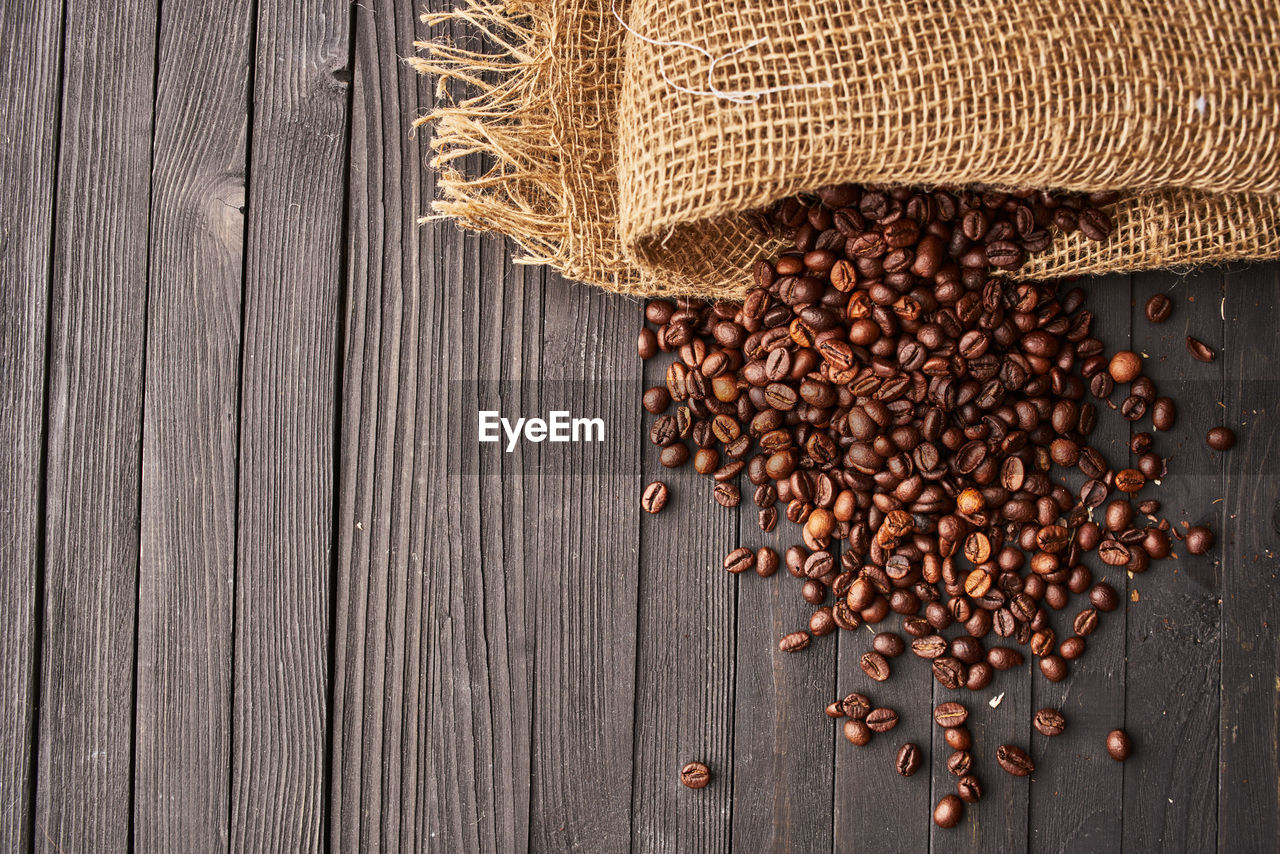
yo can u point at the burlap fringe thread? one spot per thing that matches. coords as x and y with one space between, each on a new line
543 92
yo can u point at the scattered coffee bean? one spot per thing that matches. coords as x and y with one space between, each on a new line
1118 745
948 812
794 642
1125 366
969 788
1220 438
1050 722
654 497
1199 350
856 706
1014 760
1159 307
888 644
857 732
950 714
875 666
1199 540
908 760
882 720
695 775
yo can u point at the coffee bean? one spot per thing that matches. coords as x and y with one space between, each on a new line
875 666
1220 438
1163 414
1199 540
1004 658
950 714
1014 760
674 455
1049 722
1053 668
1125 366
857 732
727 495
1104 597
740 560
856 706
882 720
948 812
1119 746
695 775
888 644
654 497
1158 309
1094 224
949 672
794 642
1199 350
834 709
969 788
908 760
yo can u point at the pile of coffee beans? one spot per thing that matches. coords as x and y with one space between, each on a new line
886 389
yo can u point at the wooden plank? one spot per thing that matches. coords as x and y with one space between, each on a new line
287 424
1076 793
29 96
95 424
1249 760
1174 612
686 654
188 514
783 764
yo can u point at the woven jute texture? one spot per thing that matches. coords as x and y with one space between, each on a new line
628 155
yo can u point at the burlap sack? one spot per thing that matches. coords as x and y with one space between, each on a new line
628 141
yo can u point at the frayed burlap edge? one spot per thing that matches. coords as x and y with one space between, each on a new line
551 183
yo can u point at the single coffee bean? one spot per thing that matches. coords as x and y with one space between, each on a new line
960 763
949 672
727 495
948 812
1050 722
1014 760
1220 438
1159 307
740 560
1199 350
1118 745
654 497
695 775
908 760
888 644
980 676
834 709
1071 648
1104 597
1085 622
969 788
856 706
821 622
857 732
950 714
875 665
1053 668
882 720
1199 540
794 642
1125 366
1163 413
1004 658
957 738
674 455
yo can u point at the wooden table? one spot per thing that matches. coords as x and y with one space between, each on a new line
263 590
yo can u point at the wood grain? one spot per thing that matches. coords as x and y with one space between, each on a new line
188 514
1249 728
1171 707
29 97
1077 791
97 330
293 275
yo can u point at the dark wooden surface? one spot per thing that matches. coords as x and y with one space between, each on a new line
263 589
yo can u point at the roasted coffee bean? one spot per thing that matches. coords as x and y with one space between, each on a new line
1158 308
1085 622
960 763
948 812
695 775
1004 658
950 714
1053 668
969 789
1119 747
1220 438
882 720
1049 722
740 560
1199 540
654 497
856 706
1125 366
888 644
727 495
1199 350
875 665
1071 648
857 732
949 672
1014 760
908 760
1163 414
794 642
1104 597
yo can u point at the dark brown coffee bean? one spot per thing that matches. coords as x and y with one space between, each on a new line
1199 540
1199 350
882 720
950 714
888 644
1004 658
794 642
654 497
1085 622
948 812
857 732
909 759
1159 307
1163 413
856 706
1125 366
1104 597
1220 438
1014 760
1094 224
1053 668
740 560
1049 722
875 665
969 789
695 775
1119 747
949 672
727 495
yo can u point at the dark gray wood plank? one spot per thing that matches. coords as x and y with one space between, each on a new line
686 655
288 386
1171 708
1249 760
188 513
783 765
1076 792
29 98
97 328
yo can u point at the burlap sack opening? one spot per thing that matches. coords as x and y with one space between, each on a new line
626 156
